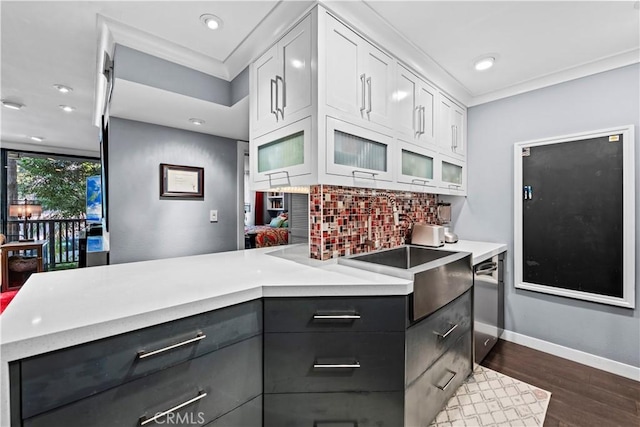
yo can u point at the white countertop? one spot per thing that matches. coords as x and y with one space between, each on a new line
58 309
481 251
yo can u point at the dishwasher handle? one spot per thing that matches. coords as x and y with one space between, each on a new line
485 269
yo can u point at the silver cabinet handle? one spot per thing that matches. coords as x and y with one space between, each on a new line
444 387
144 420
369 93
274 83
422 121
417 180
284 96
446 334
373 174
143 354
487 268
354 365
363 103
269 174
453 137
416 111
353 316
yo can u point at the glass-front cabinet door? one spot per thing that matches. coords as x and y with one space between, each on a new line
453 175
358 153
281 155
416 166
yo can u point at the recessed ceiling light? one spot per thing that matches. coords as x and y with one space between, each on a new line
63 88
67 108
12 105
37 138
212 22
484 63
197 122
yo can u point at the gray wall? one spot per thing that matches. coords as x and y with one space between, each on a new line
596 102
144 227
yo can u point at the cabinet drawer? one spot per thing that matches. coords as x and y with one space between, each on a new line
247 415
430 338
425 397
299 362
229 377
63 376
335 314
333 410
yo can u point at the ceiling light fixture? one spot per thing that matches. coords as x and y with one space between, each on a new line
12 105
197 122
67 108
37 138
63 88
484 63
210 21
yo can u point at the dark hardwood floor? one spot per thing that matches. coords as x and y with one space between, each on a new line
581 396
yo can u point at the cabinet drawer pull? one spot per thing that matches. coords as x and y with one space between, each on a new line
446 334
416 131
355 171
444 387
354 365
274 111
369 93
363 104
418 180
143 354
284 96
487 341
351 316
144 420
453 137
422 119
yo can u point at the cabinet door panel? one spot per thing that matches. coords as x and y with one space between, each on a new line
407 120
295 51
60 377
314 314
379 85
291 359
230 377
334 410
344 85
248 415
265 70
428 100
426 396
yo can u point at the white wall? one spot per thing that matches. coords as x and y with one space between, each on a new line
595 102
141 225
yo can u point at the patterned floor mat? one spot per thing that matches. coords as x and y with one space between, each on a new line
489 398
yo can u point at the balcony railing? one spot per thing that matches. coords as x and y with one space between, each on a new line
62 235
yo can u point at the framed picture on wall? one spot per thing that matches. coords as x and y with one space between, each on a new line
181 182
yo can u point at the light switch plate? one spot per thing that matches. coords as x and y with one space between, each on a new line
213 216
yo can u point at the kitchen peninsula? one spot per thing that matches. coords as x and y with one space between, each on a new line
56 311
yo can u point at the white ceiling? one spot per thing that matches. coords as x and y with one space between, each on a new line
48 42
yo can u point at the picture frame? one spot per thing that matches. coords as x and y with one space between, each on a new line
181 182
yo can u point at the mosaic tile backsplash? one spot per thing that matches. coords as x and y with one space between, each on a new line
339 217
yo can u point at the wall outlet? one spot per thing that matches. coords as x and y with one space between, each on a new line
213 216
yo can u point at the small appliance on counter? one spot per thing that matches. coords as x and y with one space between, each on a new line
444 216
427 235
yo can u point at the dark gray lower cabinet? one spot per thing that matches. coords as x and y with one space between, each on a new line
364 409
247 415
229 377
342 372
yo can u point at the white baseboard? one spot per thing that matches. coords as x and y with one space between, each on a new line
618 368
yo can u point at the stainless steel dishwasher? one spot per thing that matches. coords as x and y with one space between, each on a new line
488 304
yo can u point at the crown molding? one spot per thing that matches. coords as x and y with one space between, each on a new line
605 64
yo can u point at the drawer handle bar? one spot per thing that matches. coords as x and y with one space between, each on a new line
336 316
144 420
444 387
354 365
143 354
446 334
373 174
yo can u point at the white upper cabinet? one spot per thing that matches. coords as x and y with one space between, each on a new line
359 77
282 81
452 132
415 108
